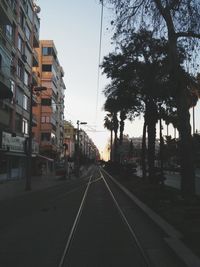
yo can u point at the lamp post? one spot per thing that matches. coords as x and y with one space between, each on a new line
78 152
29 156
161 147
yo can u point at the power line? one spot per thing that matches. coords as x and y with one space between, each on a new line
99 59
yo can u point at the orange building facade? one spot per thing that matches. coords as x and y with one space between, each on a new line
49 111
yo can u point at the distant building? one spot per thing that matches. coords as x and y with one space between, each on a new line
49 111
69 139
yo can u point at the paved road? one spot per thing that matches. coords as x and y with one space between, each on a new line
36 228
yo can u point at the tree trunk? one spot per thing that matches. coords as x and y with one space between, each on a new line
122 119
143 156
184 127
111 145
152 118
186 154
115 124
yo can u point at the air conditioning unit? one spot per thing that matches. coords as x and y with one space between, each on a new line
24 58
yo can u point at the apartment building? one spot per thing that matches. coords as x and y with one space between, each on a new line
69 139
87 148
19 35
49 112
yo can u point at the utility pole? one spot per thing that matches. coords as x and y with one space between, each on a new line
29 154
161 148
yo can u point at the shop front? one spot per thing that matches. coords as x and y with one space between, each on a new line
13 159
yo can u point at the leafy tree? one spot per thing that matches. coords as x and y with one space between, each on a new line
180 21
137 74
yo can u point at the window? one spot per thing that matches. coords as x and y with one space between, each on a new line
24 126
48 51
18 123
20 44
9 32
29 55
20 70
21 19
45 51
54 106
45 136
19 96
53 138
26 78
29 11
45 119
28 33
46 68
25 102
46 101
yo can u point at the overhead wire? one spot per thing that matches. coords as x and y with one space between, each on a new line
99 60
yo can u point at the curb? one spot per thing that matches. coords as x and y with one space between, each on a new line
181 250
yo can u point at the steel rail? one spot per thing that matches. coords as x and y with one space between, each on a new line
133 234
73 229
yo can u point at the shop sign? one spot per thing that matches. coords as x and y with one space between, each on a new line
10 143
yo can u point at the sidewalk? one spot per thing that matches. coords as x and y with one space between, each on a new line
13 188
9 189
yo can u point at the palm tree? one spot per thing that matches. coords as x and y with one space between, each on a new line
108 124
111 106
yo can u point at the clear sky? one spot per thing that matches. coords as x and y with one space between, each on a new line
75 28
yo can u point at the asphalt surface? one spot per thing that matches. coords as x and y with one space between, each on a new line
35 228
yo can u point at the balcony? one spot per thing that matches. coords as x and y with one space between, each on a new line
4 40
53 120
34 121
5 87
47 146
35 79
6 12
35 59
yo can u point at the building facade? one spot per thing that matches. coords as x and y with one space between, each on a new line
19 35
49 111
69 139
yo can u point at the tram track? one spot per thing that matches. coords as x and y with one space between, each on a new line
73 229
94 180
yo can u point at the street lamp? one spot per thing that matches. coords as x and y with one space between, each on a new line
78 152
29 156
